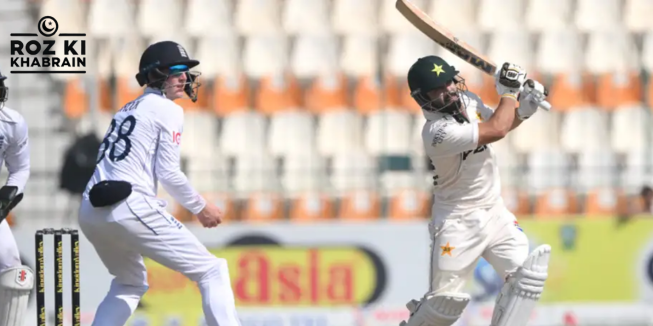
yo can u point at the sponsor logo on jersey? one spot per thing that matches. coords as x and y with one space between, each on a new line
477 150
440 133
176 137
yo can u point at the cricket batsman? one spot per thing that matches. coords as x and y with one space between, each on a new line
120 214
469 218
16 280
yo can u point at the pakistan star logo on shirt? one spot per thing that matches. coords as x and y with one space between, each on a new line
437 69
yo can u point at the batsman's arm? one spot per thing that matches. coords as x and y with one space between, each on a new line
500 123
508 82
516 122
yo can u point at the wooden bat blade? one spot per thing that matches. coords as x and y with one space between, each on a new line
448 40
444 37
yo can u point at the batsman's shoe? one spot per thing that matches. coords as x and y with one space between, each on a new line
439 310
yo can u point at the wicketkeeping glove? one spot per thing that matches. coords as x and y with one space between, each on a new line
9 198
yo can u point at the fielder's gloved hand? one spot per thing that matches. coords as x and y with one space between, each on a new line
530 98
509 80
9 198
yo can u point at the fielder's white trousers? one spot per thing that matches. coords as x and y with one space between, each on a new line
9 254
140 226
458 242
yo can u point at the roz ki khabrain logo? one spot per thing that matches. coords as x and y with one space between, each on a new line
66 51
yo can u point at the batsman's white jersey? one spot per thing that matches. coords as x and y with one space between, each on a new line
142 147
469 219
466 175
14 153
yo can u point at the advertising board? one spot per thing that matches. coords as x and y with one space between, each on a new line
344 273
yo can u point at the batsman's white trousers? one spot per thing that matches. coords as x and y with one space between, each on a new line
140 226
9 254
458 242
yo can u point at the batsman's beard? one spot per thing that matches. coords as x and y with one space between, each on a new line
449 102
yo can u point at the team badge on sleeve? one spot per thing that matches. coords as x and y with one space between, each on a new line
440 132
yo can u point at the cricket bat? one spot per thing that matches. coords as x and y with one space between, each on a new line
447 40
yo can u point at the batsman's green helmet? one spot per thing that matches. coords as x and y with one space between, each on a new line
429 73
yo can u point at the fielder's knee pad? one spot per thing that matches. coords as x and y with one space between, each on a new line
522 290
16 283
439 310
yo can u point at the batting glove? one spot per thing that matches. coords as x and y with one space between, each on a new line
533 94
509 80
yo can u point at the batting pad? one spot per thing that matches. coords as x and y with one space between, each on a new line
439 310
16 283
522 290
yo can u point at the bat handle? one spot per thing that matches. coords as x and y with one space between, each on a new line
545 105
